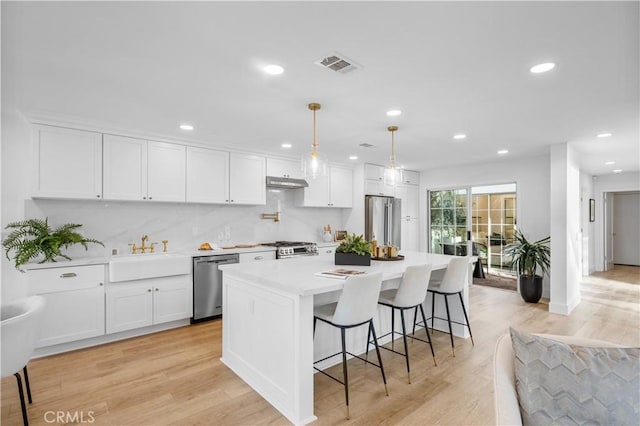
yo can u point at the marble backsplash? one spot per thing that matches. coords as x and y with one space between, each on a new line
186 226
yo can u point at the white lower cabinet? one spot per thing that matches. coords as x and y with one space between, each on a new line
74 303
328 251
140 303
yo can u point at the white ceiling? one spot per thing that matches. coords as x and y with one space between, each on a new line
451 67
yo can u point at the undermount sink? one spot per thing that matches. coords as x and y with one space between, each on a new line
143 266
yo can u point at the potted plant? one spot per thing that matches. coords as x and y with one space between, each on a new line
527 257
353 250
34 237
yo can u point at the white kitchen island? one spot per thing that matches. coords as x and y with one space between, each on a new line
267 328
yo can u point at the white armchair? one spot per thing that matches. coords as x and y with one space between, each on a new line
505 398
19 331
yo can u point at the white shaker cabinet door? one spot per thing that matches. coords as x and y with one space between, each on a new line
69 163
129 306
166 171
284 168
409 234
373 172
247 179
72 315
317 193
207 175
172 299
340 187
125 168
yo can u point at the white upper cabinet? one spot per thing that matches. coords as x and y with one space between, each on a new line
247 177
69 163
166 173
373 172
333 190
374 183
136 169
340 187
207 175
409 194
284 168
409 177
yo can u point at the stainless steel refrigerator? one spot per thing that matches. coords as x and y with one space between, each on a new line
382 219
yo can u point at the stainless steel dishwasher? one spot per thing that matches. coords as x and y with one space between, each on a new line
207 285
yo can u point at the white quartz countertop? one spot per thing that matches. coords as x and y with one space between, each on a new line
101 260
297 275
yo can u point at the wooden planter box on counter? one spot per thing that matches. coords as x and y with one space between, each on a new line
353 259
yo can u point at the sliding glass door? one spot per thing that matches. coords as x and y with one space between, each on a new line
448 224
480 220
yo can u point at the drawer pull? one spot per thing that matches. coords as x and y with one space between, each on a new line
258 258
68 275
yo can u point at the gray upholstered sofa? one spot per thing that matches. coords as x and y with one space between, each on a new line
507 409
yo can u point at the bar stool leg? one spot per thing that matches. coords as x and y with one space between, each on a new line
406 347
446 305
26 381
466 318
366 352
393 326
375 342
25 419
428 336
344 370
433 310
415 317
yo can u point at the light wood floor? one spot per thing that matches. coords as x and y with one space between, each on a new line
176 378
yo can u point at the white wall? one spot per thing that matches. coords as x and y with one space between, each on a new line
602 184
531 177
588 228
119 223
566 238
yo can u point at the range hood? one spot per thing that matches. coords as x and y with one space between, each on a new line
285 183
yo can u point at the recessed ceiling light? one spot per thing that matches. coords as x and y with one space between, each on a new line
273 69
604 135
286 145
393 112
503 151
540 68
353 157
617 171
460 136
186 127
609 163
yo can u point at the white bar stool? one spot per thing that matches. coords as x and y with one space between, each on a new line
452 283
355 307
410 294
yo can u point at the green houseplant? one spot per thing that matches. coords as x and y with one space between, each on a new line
32 238
353 250
527 258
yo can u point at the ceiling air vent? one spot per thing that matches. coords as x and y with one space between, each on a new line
338 63
365 145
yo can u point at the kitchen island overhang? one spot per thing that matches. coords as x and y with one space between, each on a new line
267 329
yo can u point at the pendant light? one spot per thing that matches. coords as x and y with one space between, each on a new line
390 172
314 164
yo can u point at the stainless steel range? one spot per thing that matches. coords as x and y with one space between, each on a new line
290 249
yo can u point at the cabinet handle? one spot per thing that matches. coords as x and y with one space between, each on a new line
68 275
258 258
157 289
232 201
98 196
329 251
144 198
148 290
101 284
151 198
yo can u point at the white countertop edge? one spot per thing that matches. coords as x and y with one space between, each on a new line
103 260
